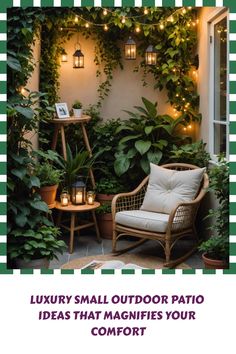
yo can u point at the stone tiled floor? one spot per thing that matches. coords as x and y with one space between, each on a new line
87 245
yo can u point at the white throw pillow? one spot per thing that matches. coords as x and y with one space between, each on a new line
167 188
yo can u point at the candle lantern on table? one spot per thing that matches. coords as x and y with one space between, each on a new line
90 197
65 198
78 190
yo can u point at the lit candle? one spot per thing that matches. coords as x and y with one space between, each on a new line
64 199
90 197
79 198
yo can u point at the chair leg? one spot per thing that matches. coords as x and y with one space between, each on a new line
114 235
167 251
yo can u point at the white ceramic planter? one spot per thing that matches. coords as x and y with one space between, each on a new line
78 112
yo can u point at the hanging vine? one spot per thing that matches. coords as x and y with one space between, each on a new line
172 31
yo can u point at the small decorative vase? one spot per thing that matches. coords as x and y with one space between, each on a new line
78 112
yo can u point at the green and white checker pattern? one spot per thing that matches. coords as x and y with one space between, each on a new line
4 4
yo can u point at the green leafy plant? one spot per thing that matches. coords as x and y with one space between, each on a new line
104 209
48 175
217 246
147 137
76 164
109 185
194 154
34 244
77 105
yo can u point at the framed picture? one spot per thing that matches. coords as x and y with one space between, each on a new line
62 110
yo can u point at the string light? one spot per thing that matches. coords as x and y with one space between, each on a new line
189 127
171 19
137 29
162 26
104 12
189 7
105 28
76 19
174 70
184 11
22 90
123 20
87 25
145 11
185 128
188 24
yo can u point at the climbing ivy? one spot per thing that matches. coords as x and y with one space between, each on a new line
172 31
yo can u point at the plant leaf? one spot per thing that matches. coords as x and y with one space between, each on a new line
142 146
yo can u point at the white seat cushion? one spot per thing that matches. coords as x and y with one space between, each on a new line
167 188
143 220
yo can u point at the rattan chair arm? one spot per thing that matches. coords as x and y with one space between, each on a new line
128 195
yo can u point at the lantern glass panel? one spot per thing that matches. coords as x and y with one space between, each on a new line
65 198
130 49
78 59
78 193
90 197
151 58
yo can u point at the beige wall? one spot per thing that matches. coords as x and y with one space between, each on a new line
33 85
126 90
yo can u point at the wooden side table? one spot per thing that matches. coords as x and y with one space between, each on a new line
74 210
60 123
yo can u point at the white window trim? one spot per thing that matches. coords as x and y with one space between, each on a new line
215 18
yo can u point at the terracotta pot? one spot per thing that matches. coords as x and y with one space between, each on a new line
32 264
48 194
105 198
214 263
105 225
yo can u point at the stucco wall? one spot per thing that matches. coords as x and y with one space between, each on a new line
126 90
33 85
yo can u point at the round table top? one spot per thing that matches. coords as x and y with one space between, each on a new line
77 208
71 120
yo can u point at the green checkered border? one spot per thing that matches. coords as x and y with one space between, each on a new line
4 4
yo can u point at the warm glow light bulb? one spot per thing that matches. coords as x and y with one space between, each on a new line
137 29
87 25
185 128
190 127
145 11
123 20
105 28
184 11
105 12
76 19
162 26
171 19
189 7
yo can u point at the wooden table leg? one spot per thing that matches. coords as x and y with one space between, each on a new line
54 139
72 227
59 218
63 142
96 226
86 141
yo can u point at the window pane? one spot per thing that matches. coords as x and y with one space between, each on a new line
220 70
219 138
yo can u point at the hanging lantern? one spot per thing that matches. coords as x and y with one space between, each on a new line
65 198
78 59
130 49
78 193
64 58
78 56
151 55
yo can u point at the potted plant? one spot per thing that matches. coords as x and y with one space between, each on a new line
106 189
33 248
216 248
49 178
48 174
77 109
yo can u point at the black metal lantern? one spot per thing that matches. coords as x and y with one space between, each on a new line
78 59
78 193
151 55
64 58
130 49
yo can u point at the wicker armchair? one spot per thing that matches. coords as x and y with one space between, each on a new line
181 221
